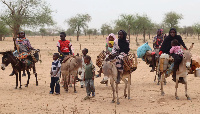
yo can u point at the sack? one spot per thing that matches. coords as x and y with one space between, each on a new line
143 49
129 63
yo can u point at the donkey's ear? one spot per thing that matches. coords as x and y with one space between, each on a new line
2 53
191 46
182 47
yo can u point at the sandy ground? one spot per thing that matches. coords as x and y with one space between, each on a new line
145 94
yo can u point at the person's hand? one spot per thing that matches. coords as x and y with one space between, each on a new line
160 52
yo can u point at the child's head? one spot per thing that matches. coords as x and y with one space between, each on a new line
84 51
110 44
62 36
175 42
55 56
111 38
87 59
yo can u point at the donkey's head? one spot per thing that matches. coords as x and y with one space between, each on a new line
6 59
187 56
108 68
78 60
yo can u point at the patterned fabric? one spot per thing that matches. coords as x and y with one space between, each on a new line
54 68
157 41
176 50
23 44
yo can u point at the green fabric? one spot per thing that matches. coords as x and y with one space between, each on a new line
88 71
109 49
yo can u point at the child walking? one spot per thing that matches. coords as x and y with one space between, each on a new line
55 74
89 77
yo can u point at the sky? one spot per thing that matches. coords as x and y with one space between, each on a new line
106 11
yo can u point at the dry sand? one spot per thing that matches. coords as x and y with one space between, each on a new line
145 94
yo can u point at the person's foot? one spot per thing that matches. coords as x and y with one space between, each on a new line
57 93
93 94
81 86
98 76
117 82
50 92
152 70
23 74
12 74
104 81
87 97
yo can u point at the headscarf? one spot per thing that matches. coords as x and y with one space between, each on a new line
107 39
123 43
166 45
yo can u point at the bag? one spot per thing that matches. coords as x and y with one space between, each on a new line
129 63
100 59
143 49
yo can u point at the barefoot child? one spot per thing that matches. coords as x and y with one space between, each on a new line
55 74
89 77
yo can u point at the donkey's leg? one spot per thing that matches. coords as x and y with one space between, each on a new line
16 80
117 94
159 77
161 82
188 97
129 83
126 82
20 80
36 79
28 79
75 85
176 86
113 89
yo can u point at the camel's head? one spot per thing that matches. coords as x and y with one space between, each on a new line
5 59
187 56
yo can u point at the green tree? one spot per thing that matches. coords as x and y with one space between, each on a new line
3 30
26 13
142 24
70 31
43 31
106 29
94 31
172 19
197 29
89 32
79 22
126 23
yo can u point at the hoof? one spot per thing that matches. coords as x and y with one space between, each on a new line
177 97
20 87
26 85
158 83
162 93
188 98
112 101
15 87
129 98
75 91
118 103
125 95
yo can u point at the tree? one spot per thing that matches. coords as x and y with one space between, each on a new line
125 22
106 29
26 12
172 19
43 31
89 32
70 31
142 24
79 22
197 29
3 30
94 32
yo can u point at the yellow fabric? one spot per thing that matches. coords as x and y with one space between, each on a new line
111 42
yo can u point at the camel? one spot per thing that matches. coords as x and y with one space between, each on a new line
17 66
181 74
109 69
69 68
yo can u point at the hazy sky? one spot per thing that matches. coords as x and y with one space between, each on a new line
106 11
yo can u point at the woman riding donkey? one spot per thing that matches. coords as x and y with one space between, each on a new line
119 51
157 42
167 45
23 50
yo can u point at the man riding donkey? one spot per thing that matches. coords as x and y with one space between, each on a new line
23 50
119 51
109 46
64 48
157 42
167 45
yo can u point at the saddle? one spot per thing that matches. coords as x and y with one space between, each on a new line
67 58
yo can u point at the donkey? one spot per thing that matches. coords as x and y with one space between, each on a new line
17 66
181 74
69 68
109 69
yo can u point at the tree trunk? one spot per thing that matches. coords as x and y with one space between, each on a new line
4 37
78 33
89 36
149 35
144 35
1 38
103 35
198 36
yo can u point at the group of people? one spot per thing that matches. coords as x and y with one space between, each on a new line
115 49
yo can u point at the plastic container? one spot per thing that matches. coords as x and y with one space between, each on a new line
164 61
